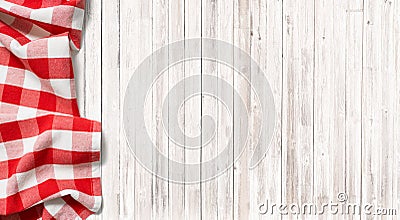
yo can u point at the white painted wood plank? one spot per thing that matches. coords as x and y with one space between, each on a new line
241 189
396 50
371 112
354 35
378 104
389 105
225 15
329 102
193 28
92 49
210 107
160 28
135 183
297 122
224 20
176 196
266 50
110 109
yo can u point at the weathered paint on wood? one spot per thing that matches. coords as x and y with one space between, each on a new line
334 69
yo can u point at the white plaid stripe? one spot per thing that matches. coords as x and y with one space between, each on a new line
6 5
77 21
44 15
54 206
26 180
58 47
3 188
61 140
60 87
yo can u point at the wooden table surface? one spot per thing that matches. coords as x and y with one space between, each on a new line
334 69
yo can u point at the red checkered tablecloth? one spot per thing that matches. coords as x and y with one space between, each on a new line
49 155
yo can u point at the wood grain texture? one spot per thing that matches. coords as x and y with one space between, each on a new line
224 20
329 101
353 105
210 107
241 175
176 196
159 38
298 102
193 113
334 70
378 103
266 50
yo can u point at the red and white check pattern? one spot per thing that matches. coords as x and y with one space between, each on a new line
49 155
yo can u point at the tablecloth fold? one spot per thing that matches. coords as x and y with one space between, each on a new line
49 155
